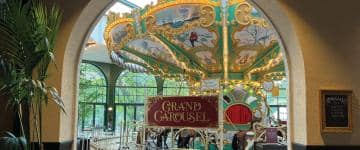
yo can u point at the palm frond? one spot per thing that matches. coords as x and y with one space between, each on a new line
10 141
28 34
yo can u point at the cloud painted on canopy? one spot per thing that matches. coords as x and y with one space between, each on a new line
131 57
206 57
177 15
151 48
254 36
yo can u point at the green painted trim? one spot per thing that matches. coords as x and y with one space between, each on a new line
218 13
143 25
231 76
219 52
231 13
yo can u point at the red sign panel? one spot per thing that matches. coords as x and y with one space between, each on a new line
184 111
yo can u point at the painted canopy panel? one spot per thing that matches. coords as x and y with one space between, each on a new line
189 36
118 33
197 39
176 16
254 36
131 57
151 48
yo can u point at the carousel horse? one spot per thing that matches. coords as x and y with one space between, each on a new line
186 138
162 138
238 142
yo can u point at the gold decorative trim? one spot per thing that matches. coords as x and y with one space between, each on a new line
207 18
243 15
232 2
207 15
129 30
162 5
277 75
271 64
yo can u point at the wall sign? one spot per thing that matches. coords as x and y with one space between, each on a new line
336 110
183 111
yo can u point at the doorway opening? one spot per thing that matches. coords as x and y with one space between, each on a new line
177 49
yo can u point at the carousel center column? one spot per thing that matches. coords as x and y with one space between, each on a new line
224 5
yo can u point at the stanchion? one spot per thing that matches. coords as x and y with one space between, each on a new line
172 137
221 123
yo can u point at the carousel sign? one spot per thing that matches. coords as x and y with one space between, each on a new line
183 111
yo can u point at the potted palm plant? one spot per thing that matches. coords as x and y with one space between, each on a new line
28 32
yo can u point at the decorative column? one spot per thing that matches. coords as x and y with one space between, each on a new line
225 40
224 5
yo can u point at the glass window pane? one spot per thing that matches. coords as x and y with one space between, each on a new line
87 115
119 116
130 113
274 112
282 101
283 113
271 100
99 115
174 88
140 113
283 93
139 99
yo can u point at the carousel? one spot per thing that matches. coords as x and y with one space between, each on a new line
229 55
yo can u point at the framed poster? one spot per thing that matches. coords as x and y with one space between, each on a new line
336 112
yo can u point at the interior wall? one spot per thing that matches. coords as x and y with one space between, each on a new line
321 44
329 35
294 67
58 126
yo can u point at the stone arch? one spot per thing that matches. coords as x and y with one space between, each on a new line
70 46
295 69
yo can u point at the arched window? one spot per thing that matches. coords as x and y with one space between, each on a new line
278 102
92 97
175 88
131 91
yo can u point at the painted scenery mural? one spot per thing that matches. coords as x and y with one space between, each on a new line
151 48
254 36
197 37
243 59
206 57
132 57
177 15
118 33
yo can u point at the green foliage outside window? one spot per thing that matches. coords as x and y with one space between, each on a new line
92 96
175 88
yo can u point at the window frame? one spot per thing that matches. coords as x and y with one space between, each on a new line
104 102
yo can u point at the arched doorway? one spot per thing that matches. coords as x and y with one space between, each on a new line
75 43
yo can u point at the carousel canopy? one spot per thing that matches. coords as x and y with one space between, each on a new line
202 39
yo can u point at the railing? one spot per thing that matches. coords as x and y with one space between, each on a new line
126 138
